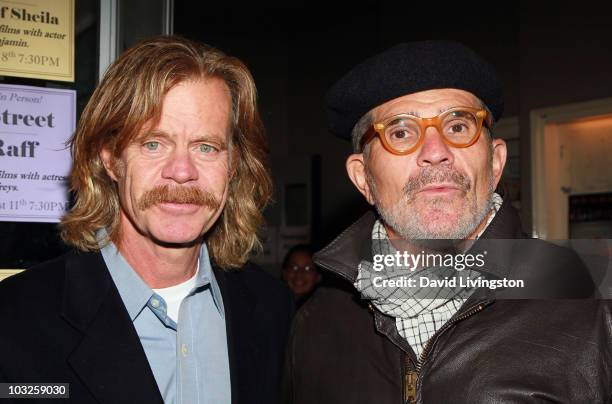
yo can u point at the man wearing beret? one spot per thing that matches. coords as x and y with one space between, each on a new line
421 118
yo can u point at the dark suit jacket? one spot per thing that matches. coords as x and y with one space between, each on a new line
64 321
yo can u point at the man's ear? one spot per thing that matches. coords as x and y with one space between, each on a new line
107 159
500 153
355 167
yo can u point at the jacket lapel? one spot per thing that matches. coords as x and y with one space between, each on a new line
240 303
109 359
343 255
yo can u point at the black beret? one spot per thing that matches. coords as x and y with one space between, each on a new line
408 68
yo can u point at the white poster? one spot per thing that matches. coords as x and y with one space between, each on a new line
35 124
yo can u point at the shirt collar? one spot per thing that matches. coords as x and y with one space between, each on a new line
206 276
135 293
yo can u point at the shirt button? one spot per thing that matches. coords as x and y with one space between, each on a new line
184 349
155 303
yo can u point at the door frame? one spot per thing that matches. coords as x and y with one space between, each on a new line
109 30
539 118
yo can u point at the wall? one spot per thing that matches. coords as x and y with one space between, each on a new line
546 55
579 155
296 53
566 57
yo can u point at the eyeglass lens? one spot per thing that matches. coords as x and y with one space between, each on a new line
457 126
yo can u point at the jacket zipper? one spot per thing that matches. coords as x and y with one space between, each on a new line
468 313
411 374
411 377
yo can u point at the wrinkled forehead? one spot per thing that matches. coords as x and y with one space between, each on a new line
137 129
426 103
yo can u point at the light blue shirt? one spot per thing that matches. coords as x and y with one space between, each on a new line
189 360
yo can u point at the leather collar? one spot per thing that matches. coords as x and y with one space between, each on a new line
343 255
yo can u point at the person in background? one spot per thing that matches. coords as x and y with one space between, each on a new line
157 302
300 272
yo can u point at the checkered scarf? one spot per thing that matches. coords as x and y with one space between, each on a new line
418 313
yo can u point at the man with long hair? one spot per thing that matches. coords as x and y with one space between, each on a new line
157 301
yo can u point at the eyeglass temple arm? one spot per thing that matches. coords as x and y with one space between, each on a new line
370 133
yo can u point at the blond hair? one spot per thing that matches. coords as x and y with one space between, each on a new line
130 95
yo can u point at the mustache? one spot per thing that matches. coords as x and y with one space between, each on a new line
188 195
433 175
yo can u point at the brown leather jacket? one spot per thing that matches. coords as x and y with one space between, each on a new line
494 350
